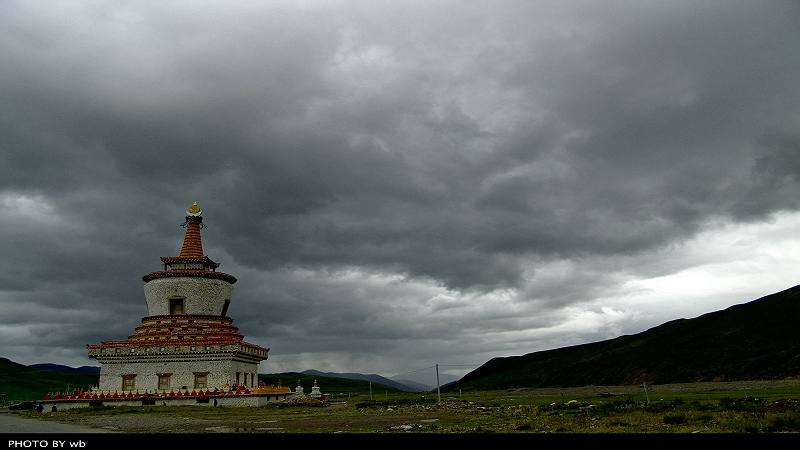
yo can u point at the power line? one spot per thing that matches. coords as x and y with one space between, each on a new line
440 365
413 371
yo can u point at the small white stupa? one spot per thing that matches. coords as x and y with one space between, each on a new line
315 390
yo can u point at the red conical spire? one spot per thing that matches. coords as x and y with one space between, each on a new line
191 261
192 245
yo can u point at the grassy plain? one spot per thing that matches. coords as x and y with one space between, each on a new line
763 410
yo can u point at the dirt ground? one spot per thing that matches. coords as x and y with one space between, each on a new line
341 418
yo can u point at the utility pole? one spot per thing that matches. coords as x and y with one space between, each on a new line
438 390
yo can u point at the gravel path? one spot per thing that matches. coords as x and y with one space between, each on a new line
14 424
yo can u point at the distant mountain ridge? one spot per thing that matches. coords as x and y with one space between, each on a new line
404 385
365 377
414 386
757 340
67 369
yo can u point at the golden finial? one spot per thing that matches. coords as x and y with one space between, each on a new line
194 209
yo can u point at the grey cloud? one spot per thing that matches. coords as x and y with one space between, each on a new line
462 147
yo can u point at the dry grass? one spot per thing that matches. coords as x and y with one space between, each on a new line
775 410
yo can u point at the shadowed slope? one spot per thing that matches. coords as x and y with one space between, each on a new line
752 341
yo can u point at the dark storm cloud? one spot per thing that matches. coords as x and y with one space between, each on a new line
387 164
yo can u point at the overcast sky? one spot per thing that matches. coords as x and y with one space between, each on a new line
397 184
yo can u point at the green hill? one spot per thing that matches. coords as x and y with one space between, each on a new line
752 341
21 382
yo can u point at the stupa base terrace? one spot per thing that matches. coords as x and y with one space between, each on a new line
238 396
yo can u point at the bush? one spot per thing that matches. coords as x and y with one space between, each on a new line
674 419
746 404
783 424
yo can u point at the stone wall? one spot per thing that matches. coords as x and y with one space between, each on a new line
220 373
243 400
201 295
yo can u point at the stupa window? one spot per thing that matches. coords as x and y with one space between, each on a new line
176 306
225 308
200 380
128 383
163 381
